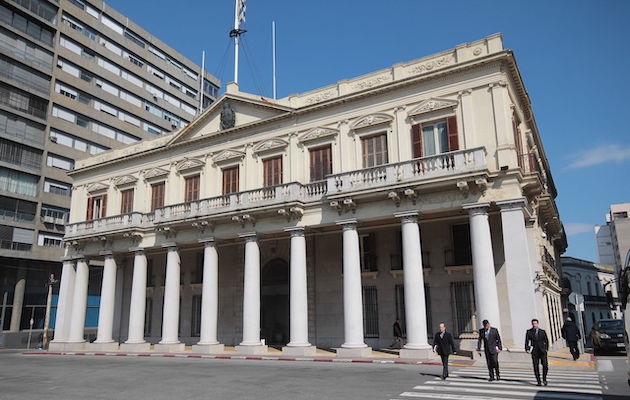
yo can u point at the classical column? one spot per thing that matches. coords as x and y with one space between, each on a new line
104 339
64 305
251 343
354 344
486 297
519 274
170 315
417 345
135 337
208 342
298 344
18 299
79 305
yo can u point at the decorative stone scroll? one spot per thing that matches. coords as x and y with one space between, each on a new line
124 180
433 104
271 144
188 164
155 173
228 155
371 120
318 133
96 187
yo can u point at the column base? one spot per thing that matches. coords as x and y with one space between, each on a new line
208 348
416 353
255 349
298 350
136 347
110 346
67 346
169 347
354 352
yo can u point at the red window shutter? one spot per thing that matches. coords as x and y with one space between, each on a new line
90 209
103 206
451 127
416 140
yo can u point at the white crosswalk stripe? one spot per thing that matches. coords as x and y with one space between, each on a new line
516 384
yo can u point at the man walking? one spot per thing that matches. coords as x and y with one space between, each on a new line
571 333
492 346
537 343
443 345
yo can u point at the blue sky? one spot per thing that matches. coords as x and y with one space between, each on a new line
574 57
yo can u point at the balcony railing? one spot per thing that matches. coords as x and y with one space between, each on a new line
413 171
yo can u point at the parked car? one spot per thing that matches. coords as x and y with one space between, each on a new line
607 335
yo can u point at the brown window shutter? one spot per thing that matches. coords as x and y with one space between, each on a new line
416 140
451 127
90 209
103 207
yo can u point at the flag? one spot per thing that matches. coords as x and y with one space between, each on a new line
241 10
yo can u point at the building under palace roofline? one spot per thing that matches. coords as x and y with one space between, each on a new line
420 192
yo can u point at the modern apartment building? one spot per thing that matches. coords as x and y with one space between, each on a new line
613 239
420 192
77 78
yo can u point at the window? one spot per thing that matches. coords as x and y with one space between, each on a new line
50 240
18 182
399 294
191 189
195 321
320 163
96 207
462 250
126 201
374 150
53 160
272 170
157 195
230 180
370 312
368 253
433 138
147 317
463 306
56 187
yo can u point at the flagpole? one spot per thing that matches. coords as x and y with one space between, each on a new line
273 40
236 34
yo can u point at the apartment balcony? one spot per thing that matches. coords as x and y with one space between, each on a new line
368 181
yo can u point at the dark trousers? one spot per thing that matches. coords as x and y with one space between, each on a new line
537 359
444 358
492 360
573 348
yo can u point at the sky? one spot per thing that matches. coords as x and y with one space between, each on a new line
573 55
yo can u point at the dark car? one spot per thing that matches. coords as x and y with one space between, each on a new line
607 335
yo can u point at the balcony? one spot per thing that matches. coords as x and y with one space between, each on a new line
373 179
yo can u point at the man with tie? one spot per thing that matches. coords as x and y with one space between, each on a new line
537 343
492 346
443 345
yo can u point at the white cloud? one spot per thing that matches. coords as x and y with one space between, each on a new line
599 155
578 228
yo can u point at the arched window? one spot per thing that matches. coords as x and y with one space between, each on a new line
588 287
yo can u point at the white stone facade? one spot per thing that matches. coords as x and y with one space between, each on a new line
420 192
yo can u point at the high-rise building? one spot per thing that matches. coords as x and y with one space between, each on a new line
77 78
613 239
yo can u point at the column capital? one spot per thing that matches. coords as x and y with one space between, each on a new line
169 245
476 208
408 216
136 249
348 223
249 236
208 241
106 253
296 230
512 204
66 259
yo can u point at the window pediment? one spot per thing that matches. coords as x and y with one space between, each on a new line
318 133
155 173
433 104
228 155
124 180
188 164
372 120
271 144
95 187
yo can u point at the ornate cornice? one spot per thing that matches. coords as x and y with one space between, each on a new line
227 155
155 173
372 120
433 104
318 133
96 187
124 180
189 163
271 144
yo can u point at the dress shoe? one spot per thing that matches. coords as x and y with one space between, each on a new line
490 379
539 384
498 377
545 383
443 377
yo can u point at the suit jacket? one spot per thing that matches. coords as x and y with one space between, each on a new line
536 344
492 343
444 346
571 332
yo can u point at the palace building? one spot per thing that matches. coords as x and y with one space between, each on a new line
420 192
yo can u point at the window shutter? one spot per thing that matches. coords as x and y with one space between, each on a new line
451 127
90 209
103 206
416 140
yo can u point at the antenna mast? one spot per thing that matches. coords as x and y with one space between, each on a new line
239 16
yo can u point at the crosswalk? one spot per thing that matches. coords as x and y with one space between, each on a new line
471 383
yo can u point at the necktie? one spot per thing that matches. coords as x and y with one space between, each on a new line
536 332
442 335
487 333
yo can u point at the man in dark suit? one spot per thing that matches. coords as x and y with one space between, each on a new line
571 333
537 343
443 345
492 346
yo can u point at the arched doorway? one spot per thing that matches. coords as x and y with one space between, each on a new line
275 302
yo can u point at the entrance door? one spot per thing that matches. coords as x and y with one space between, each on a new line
275 302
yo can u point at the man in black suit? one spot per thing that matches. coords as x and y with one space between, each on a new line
492 346
571 333
443 345
537 343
